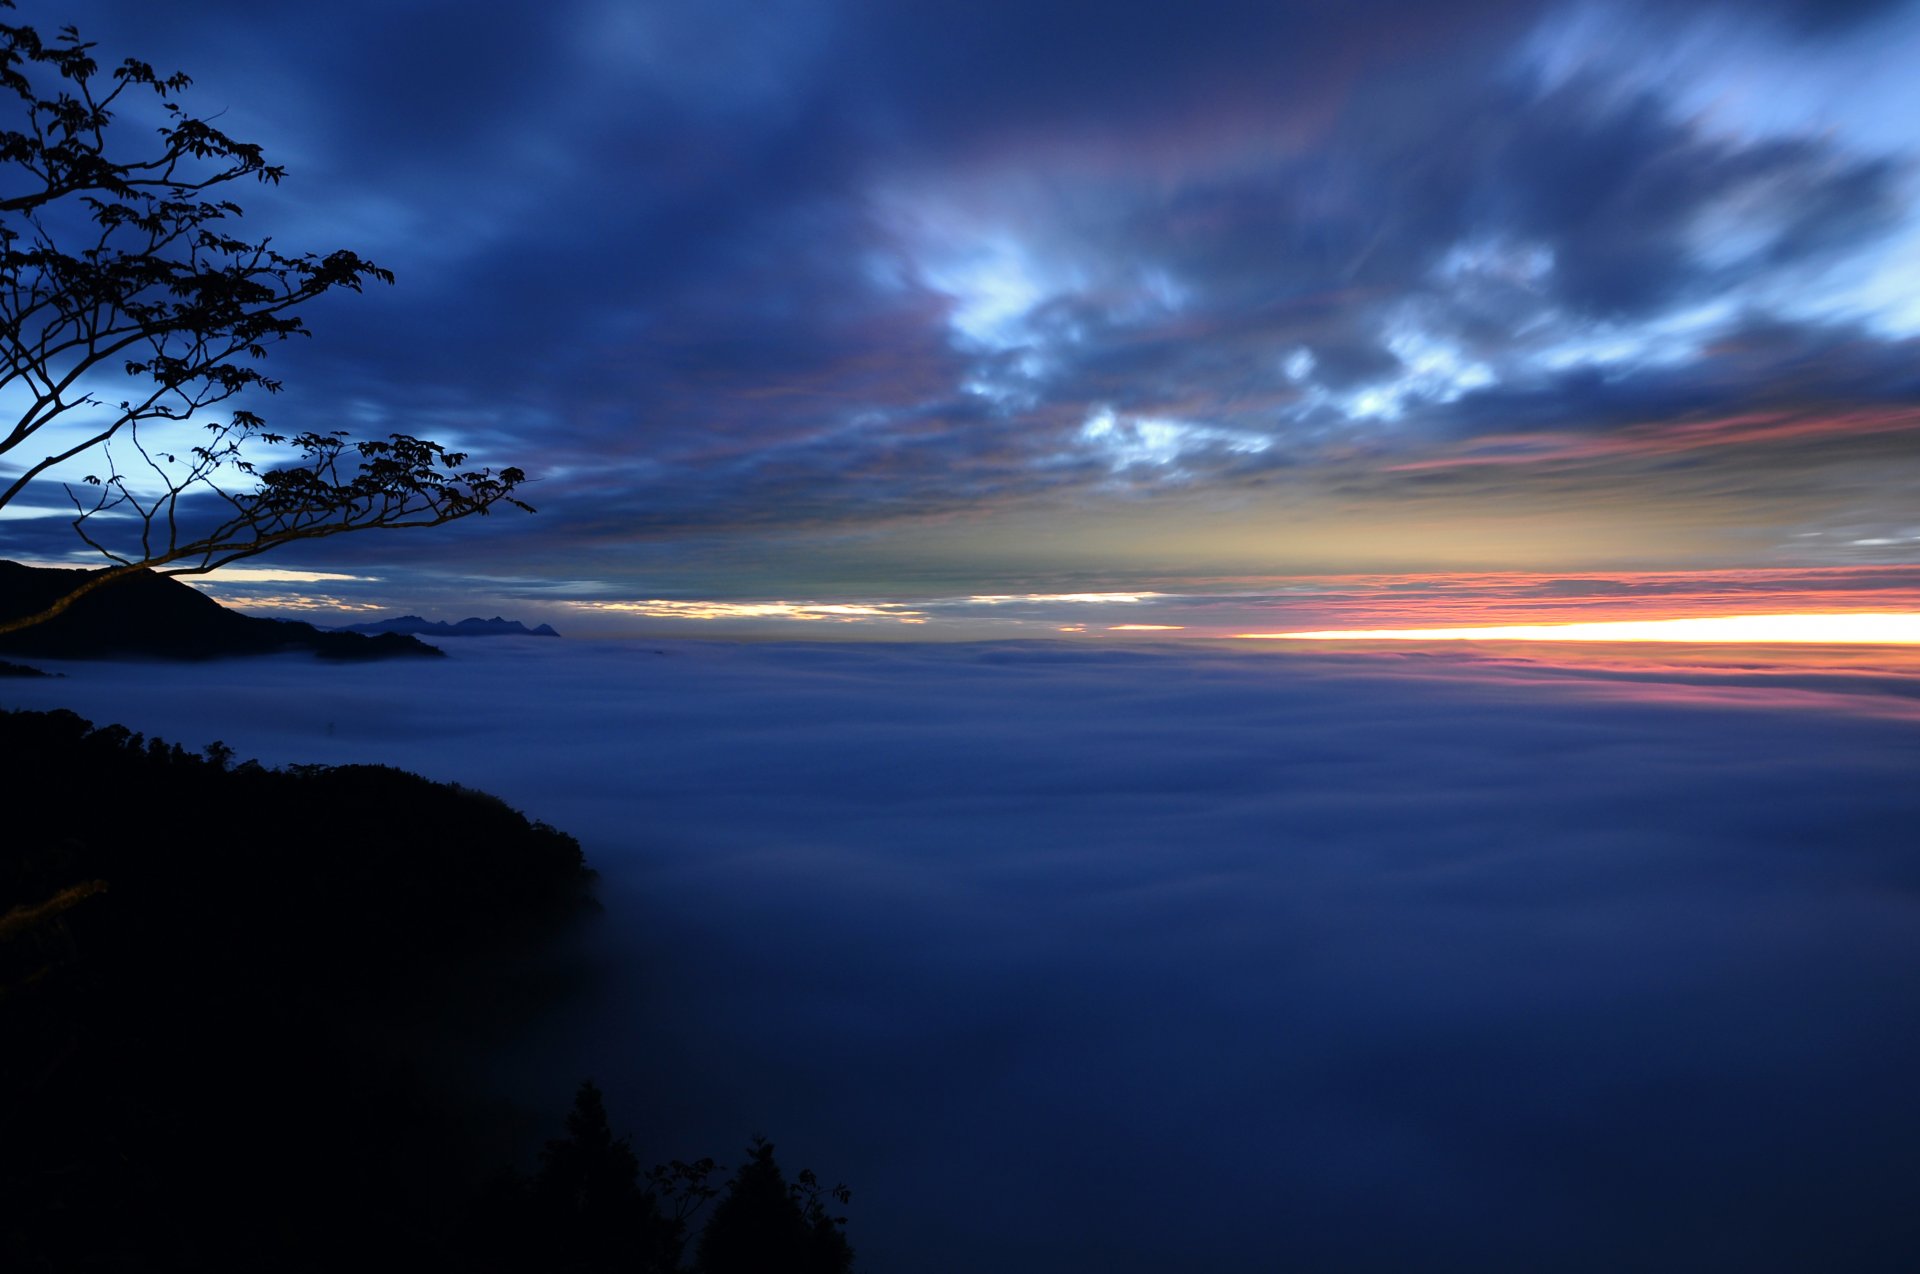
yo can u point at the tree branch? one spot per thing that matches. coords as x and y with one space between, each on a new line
156 282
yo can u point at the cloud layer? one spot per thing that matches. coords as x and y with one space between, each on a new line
1165 959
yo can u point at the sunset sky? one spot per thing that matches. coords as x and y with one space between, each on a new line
1197 319
862 335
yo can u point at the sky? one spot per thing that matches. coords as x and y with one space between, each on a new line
1248 307
1184 957
1117 325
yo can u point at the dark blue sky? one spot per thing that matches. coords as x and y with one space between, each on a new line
893 301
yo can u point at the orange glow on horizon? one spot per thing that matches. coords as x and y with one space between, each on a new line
1857 628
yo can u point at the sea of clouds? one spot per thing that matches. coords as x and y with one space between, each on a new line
1195 958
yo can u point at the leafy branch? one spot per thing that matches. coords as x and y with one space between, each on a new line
125 264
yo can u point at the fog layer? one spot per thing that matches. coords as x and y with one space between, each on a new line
1187 958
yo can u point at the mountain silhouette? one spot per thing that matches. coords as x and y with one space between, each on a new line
472 627
149 614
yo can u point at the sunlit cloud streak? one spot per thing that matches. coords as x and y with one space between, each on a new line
1231 607
1219 607
852 612
1095 599
1849 629
318 608
841 612
1502 599
269 575
1666 438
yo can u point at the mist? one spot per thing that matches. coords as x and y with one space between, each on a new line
1182 957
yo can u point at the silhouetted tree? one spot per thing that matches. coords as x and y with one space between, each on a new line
586 1209
117 260
763 1224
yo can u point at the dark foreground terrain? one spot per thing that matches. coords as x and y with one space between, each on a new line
234 1008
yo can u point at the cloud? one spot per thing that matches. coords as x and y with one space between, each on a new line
1356 963
851 266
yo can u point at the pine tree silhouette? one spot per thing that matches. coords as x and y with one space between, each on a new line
763 1224
591 1211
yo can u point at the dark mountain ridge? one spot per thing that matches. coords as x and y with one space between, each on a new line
153 615
470 627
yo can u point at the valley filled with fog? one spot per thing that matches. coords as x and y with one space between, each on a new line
1188 957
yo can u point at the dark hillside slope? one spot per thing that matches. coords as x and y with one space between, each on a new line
221 1000
148 614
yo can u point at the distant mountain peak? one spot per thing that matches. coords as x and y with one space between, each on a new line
473 626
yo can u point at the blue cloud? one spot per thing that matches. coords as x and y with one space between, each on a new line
847 264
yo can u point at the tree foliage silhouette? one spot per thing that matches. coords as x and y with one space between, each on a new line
763 1223
589 1208
588 1193
119 265
223 1037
